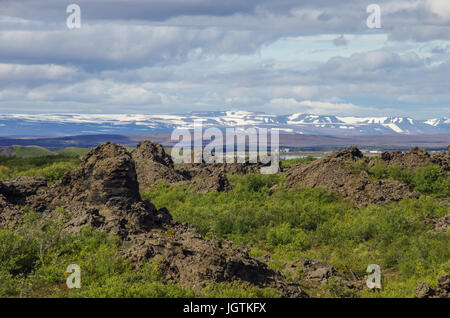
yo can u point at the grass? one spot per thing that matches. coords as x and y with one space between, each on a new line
292 162
313 223
34 259
51 167
73 152
27 152
285 225
428 179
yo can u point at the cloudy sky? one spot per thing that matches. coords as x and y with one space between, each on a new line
176 56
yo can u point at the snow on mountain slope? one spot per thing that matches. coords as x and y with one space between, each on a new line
83 124
401 125
437 121
312 119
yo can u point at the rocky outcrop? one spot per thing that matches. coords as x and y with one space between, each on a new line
19 189
423 290
16 193
192 261
415 158
106 176
103 192
154 165
205 177
412 159
213 177
333 173
191 170
10 215
442 159
316 273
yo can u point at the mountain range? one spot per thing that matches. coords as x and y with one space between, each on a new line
23 125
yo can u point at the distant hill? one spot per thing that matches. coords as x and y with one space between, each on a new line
26 151
78 145
35 151
73 151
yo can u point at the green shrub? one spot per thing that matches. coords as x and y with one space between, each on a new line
280 234
18 254
34 258
5 173
8 284
285 225
401 174
359 165
256 182
336 289
52 167
51 173
313 223
429 180
286 163
378 171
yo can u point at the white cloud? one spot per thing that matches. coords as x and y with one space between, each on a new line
291 105
260 55
368 64
441 8
12 72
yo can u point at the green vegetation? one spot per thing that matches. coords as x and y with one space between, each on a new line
52 167
26 152
37 161
36 152
313 223
34 258
73 152
281 224
427 179
285 163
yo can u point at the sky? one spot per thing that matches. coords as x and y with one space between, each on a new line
177 56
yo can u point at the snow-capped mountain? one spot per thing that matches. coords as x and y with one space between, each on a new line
89 124
436 122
